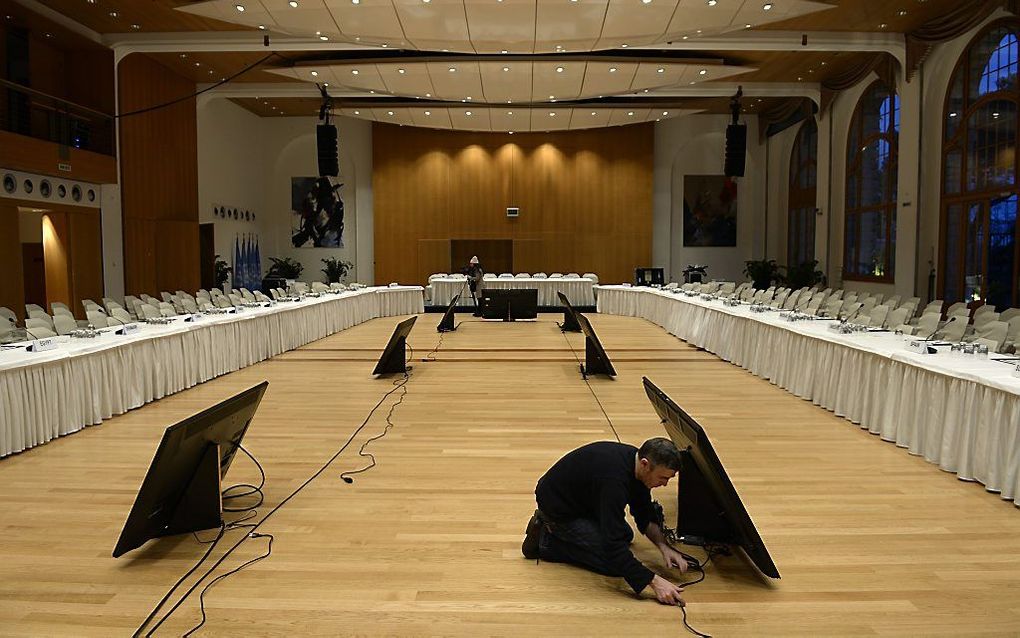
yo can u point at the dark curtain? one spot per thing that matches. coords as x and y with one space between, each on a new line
967 15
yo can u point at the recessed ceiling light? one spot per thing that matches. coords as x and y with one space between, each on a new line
262 27
136 26
747 26
953 114
882 26
767 6
113 14
624 45
551 114
901 12
389 112
315 74
660 70
357 112
355 71
552 97
504 51
467 112
646 1
711 3
428 95
400 71
469 97
612 69
239 7
559 69
325 84
693 82
293 4
506 68
198 64
510 132
428 112
384 45
324 37
665 112
630 112
995 114
702 72
593 113
509 112
452 69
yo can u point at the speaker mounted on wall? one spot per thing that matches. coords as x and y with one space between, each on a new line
736 139
326 145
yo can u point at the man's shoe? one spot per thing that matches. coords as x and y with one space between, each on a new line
532 535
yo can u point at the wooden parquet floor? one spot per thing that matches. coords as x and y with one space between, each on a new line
870 540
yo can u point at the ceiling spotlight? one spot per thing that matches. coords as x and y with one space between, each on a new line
665 112
747 26
702 72
467 112
901 12
646 1
510 132
552 97
384 45
428 112
559 69
504 51
400 71
389 112
323 38
452 69
198 64
630 112
113 14
624 45
882 26
767 6
357 112
428 95
711 3
612 69
509 112
469 97
953 114
293 4
684 38
506 68
315 74
551 114
262 27
660 70
239 7
136 26
426 1
593 113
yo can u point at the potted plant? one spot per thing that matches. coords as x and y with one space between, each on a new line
336 269
286 268
222 272
763 272
803 275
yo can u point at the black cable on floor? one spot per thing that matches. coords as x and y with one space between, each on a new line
255 527
592 390
431 355
253 489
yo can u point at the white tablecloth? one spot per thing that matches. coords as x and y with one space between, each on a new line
580 292
48 394
960 413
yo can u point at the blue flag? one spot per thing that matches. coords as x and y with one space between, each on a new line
245 252
256 269
238 263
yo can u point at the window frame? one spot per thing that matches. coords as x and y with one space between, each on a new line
984 197
854 171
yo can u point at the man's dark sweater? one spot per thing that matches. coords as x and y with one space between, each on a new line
596 482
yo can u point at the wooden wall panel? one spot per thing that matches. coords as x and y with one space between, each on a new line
433 255
86 243
585 197
31 155
159 173
12 284
57 255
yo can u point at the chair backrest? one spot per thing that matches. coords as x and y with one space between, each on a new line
868 304
522 275
146 311
1013 332
203 294
166 309
64 324
934 306
572 275
29 307
1009 313
97 319
960 311
318 286
235 299
992 345
167 297
189 305
120 315
62 310
985 318
590 275
540 275
556 275
893 301
853 309
878 316
38 329
506 275
993 331
897 317
7 312
437 275
956 308
953 331
247 294
42 316
61 306
927 324
791 300
980 310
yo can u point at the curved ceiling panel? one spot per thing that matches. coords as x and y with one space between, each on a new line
498 82
504 26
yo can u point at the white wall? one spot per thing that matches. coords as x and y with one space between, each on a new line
247 162
695 145
778 149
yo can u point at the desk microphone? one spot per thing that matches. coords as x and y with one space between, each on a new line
853 314
940 327
800 302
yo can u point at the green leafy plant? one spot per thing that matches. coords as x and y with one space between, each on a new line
335 269
222 271
803 275
762 272
286 268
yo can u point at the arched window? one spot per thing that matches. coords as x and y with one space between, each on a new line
800 235
869 240
979 191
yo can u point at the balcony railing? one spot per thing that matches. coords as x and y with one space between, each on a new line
25 111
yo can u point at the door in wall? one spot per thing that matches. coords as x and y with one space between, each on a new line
207 254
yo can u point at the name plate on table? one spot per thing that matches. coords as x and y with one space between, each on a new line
42 345
129 329
921 347
190 318
1016 371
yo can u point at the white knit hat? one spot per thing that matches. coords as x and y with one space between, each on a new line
474 260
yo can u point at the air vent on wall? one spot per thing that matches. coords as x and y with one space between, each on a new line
26 186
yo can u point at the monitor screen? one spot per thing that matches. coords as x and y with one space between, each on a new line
177 459
709 507
649 277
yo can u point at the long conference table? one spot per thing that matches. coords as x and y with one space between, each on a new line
52 393
962 414
580 291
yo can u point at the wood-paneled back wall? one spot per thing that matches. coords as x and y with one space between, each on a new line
585 199
159 179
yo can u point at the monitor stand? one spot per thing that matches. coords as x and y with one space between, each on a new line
201 506
447 324
569 322
395 363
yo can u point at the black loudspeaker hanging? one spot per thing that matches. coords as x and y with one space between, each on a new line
329 164
736 148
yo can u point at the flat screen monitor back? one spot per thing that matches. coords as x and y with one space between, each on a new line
596 361
392 359
177 459
448 322
509 304
709 508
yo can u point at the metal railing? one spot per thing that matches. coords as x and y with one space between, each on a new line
28 112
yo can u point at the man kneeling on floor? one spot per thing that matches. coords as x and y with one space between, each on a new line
580 517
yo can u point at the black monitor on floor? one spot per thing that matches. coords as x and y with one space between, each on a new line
509 304
570 323
181 492
709 508
596 361
393 359
649 277
448 322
